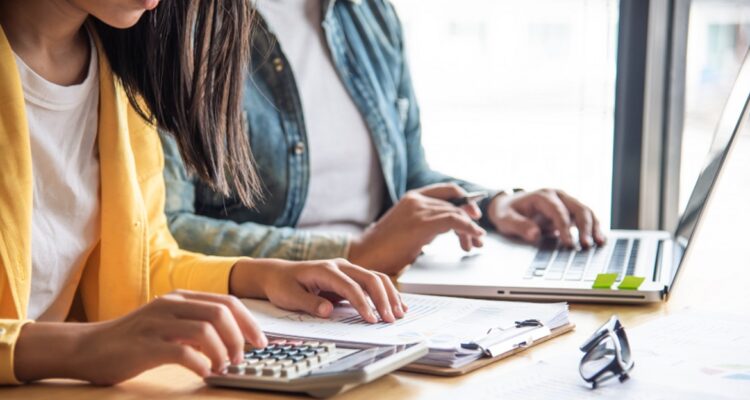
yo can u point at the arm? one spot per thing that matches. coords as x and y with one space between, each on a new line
228 238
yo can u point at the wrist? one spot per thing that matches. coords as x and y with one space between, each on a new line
249 277
495 204
33 359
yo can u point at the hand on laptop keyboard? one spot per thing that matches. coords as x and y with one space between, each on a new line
531 215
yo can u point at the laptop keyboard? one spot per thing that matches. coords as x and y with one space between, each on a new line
552 262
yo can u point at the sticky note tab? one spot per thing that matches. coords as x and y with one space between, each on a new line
604 281
631 282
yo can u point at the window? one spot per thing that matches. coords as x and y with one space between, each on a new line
517 93
718 39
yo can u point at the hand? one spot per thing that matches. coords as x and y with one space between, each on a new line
313 287
397 238
199 331
528 215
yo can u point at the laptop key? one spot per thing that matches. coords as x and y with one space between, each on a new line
619 255
577 266
542 258
633 259
557 268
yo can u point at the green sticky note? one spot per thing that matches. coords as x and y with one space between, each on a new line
631 282
604 281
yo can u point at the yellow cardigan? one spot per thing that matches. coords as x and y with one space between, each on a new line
136 258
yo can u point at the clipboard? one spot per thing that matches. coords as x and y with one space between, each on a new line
515 348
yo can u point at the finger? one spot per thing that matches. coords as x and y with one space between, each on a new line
465 241
373 285
442 222
514 224
472 210
599 236
248 324
444 191
334 280
585 223
221 319
298 298
553 208
583 217
477 242
200 335
188 357
393 296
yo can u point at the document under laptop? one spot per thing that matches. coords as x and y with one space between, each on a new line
632 267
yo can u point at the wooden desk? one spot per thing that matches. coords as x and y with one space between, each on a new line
722 246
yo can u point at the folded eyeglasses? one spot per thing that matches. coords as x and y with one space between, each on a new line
606 354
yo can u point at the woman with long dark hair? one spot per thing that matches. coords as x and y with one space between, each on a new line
83 86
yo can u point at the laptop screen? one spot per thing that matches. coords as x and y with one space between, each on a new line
732 119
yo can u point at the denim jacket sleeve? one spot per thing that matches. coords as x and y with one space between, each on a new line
419 173
225 237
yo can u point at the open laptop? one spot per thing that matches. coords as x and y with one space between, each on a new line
506 269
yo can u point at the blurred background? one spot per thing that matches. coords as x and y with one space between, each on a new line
522 93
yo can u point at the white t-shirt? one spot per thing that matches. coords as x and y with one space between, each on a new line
346 183
65 218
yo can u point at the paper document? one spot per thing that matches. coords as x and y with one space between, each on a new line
689 355
443 322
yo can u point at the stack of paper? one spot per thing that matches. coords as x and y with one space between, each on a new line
444 322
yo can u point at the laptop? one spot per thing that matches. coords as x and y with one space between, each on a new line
509 270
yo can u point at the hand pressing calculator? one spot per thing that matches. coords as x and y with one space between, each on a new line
318 368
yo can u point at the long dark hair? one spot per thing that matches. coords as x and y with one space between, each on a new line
182 66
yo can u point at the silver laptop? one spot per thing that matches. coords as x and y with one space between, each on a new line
505 269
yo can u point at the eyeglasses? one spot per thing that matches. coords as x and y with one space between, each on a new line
607 354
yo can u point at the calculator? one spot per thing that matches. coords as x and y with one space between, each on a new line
317 368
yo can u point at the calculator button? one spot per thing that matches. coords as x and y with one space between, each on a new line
294 342
289 373
237 368
271 370
286 363
281 356
312 344
297 358
286 347
278 341
253 369
303 348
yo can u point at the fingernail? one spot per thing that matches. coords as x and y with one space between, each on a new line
398 311
371 317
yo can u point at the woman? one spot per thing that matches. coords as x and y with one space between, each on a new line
82 231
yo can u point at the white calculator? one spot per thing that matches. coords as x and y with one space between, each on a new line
318 368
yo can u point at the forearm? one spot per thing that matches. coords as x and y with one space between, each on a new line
49 350
227 238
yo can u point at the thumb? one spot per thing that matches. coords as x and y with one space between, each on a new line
299 299
443 191
515 224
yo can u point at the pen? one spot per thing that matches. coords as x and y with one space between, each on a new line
473 196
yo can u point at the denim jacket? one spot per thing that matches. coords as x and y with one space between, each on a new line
366 43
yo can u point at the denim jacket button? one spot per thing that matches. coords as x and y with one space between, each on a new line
299 148
278 65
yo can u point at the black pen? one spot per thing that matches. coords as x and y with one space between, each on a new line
464 200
